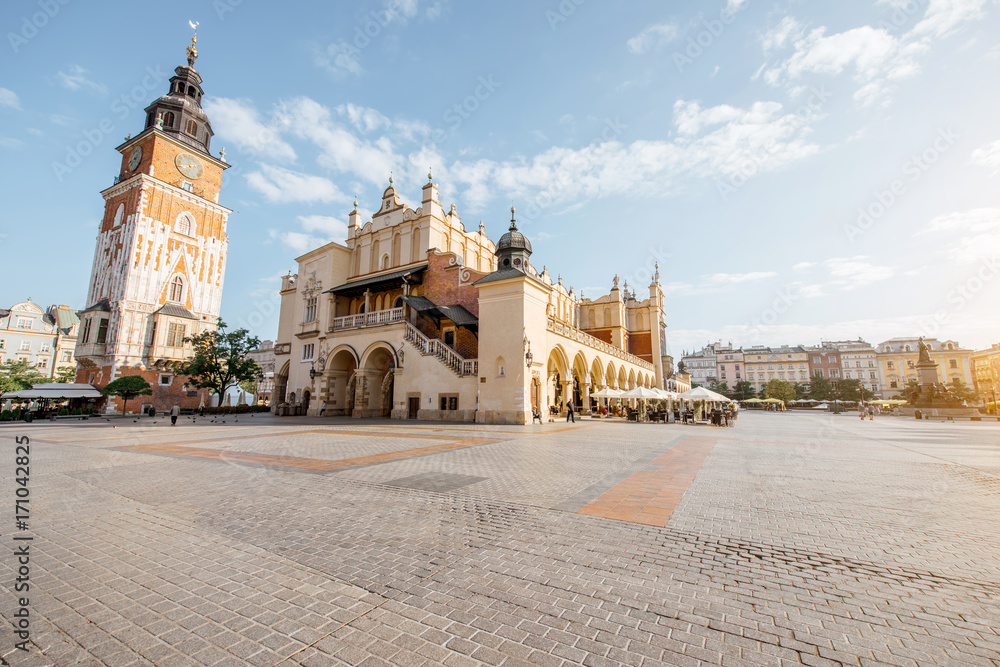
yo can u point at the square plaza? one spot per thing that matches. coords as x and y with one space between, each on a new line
790 539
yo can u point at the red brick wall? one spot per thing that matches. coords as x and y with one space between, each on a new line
163 398
441 284
640 344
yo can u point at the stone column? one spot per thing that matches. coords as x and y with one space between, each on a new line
567 393
585 390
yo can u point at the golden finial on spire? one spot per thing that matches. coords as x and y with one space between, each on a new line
192 51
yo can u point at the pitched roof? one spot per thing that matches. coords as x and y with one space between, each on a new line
173 310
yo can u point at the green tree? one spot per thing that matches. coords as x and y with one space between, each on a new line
128 387
820 389
910 390
720 388
743 390
780 389
220 359
962 392
851 391
66 374
18 375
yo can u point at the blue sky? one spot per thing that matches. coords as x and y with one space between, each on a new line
799 170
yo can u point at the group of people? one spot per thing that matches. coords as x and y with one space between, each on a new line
537 415
866 410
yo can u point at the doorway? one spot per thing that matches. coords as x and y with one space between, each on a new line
414 406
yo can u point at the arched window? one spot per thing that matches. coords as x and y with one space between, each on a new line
119 214
184 224
607 317
384 261
177 289
397 247
168 119
638 322
192 128
374 257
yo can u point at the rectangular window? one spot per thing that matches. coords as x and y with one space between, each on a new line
817 360
873 377
780 367
802 366
307 351
45 348
102 331
67 356
737 367
819 372
175 334
893 384
952 363
310 310
890 365
86 331
25 346
23 323
833 360
43 362
165 379
847 375
3 343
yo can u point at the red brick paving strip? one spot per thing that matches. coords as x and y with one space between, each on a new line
320 465
650 497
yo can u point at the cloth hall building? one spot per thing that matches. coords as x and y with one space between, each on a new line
416 317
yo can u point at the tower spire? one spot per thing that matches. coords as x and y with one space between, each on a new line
192 51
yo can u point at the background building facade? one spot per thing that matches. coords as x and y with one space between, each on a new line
897 359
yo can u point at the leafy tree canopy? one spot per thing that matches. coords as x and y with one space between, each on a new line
128 387
780 389
18 375
220 359
743 390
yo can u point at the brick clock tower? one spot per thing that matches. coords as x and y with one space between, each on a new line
161 251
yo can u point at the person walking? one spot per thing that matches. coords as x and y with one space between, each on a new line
871 413
174 413
569 412
861 411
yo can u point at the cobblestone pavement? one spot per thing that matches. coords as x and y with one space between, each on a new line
789 539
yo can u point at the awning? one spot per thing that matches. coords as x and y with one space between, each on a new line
457 314
55 390
385 281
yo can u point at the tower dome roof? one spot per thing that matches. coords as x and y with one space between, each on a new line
513 239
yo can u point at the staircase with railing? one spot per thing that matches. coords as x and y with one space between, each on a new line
429 346
373 319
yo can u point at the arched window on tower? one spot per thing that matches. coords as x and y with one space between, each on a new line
184 224
168 119
177 289
192 128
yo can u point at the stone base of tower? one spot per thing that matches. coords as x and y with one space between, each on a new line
164 397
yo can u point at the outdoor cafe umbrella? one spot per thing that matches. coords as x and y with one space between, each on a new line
702 394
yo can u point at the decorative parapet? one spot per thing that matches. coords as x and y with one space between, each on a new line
573 333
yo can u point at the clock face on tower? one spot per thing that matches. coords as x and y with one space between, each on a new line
188 165
135 158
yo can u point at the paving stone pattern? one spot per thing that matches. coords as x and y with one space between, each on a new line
798 539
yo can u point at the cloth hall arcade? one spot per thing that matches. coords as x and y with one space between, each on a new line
416 317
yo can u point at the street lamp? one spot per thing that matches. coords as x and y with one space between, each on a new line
528 356
312 371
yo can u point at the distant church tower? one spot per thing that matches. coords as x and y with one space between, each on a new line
161 250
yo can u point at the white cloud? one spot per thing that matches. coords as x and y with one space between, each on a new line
801 266
873 55
733 6
77 78
849 273
736 278
971 236
944 17
988 156
652 37
338 58
715 142
317 230
8 98
284 186
237 121
10 142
